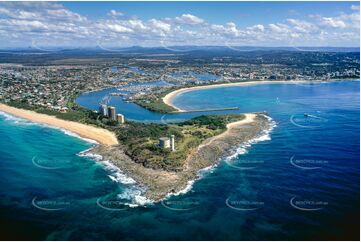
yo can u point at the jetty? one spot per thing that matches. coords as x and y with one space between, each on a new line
210 109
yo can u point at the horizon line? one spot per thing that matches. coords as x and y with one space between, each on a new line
159 46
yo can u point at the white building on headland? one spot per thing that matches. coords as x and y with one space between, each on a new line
172 142
164 142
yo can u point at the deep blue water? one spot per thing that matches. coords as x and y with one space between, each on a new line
301 184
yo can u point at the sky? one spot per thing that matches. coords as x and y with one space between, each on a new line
122 24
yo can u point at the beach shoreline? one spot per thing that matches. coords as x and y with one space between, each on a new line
169 98
249 118
101 136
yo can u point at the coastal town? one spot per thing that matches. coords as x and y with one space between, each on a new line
54 84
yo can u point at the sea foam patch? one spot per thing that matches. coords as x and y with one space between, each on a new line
24 122
131 195
263 136
116 174
200 174
16 120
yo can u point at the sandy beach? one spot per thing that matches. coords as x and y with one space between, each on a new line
249 118
99 135
168 99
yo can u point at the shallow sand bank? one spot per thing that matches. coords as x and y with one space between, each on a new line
168 99
100 135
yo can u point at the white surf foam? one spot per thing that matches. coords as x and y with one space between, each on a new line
16 120
25 122
135 197
67 132
264 136
116 174
132 192
183 191
201 173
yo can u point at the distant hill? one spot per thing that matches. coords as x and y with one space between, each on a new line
186 54
173 49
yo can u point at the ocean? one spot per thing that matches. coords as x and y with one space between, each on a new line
299 182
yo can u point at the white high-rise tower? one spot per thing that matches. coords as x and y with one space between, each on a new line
172 142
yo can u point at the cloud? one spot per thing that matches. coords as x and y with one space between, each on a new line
302 26
23 25
119 28
52 23
114 13
258 27
65 15
229 29
279 28
352 20
355 7
333 22
189 19
160 25
136 24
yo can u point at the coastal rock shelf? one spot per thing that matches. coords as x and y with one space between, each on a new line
160 183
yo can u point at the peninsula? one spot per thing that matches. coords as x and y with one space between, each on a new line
134 147
199 146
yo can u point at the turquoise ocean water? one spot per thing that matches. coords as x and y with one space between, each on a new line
299 182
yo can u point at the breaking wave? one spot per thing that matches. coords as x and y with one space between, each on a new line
132 192
264 136
24 122
16 120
